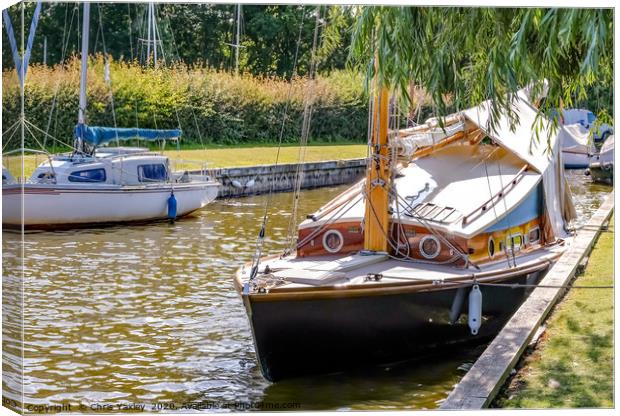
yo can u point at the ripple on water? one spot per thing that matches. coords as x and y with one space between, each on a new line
149 313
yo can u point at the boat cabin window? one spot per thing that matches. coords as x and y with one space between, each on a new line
534 235
155 172
491 247
333 241
90 175
430 247
514 241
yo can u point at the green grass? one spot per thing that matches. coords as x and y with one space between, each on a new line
265 155
572 365
222 156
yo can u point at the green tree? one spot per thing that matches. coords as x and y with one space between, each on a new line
462 56
196 34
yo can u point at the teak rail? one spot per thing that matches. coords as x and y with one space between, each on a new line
499 195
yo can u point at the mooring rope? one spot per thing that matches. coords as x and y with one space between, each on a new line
473 282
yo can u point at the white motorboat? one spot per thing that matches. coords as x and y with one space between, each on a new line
602 166
587 118
577 147
113 185
95 184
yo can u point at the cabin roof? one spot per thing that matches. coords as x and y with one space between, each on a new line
444 188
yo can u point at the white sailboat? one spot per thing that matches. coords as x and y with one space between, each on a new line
97 184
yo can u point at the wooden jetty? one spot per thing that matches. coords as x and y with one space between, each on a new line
487 376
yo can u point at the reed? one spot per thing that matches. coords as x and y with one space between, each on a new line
211 107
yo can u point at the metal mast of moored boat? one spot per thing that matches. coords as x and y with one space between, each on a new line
79 145
237 39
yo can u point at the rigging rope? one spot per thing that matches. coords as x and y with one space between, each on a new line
130 34
305 132
65 45
191 107
426 224
12 129
473 282
109 81
261 234
493 205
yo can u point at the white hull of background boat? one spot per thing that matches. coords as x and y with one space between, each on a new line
575 160
577 146
46 205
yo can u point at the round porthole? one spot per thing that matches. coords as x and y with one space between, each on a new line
333 241
430 247
491 247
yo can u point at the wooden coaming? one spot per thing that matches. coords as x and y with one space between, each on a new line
351 232
477 247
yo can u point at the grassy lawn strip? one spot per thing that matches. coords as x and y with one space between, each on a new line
261 155
220 157
572 366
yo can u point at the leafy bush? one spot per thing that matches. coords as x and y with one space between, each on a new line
210 106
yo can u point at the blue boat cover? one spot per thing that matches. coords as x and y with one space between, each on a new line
101 135
530 208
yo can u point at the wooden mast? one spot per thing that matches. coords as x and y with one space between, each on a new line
376 219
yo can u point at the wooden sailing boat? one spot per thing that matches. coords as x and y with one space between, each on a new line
437 245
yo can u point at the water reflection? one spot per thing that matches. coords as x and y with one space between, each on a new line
148 314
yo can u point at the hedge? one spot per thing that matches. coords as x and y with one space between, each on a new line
210 106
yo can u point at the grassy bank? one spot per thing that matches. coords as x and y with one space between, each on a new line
572 366
218 157
250 156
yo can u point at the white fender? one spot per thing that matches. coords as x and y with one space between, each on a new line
475 309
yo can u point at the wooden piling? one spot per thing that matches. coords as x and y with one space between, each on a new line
486 377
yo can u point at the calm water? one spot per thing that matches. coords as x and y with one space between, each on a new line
148 315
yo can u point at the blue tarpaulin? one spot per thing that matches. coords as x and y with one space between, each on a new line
103 135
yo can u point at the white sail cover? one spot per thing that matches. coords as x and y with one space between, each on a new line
544 155
407 146
575 137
